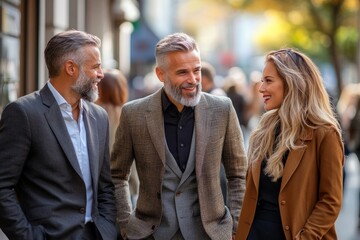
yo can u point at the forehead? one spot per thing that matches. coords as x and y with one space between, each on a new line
270 69
91 54
181 58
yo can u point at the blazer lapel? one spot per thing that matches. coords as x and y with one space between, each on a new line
92 141
57 125
155 123
202 131
295 157
255 171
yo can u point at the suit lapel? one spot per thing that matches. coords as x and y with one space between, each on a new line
92 141
255 171
295 157
57 125
155 123
202 131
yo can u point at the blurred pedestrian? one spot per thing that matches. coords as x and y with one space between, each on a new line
208 74
55 180
179 136
294 181
113 94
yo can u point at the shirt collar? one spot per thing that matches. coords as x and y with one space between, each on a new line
166 103
60 99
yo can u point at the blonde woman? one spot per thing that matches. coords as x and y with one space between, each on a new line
294 179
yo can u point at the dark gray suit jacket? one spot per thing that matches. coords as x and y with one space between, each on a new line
42 194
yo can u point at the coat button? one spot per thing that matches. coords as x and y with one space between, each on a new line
287 228
178 194
283 202
158 195
152 227
82 210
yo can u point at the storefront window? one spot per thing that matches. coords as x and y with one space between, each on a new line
9 51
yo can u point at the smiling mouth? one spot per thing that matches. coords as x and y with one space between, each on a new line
266 98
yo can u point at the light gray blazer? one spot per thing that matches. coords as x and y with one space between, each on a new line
42 194
140 136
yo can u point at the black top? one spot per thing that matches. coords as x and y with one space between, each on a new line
267 222
179 128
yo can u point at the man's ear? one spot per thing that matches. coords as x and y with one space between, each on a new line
159 74
70 67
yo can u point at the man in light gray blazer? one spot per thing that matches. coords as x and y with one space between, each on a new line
179 137
55 180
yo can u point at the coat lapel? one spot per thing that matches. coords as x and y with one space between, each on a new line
202 131
92 141
255 171
295 157
57 125
155 123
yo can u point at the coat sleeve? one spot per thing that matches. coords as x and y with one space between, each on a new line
330 163
235 164
121 161
106 199
15 142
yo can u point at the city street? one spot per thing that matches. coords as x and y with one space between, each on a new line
347 222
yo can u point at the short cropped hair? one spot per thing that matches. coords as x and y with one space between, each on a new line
67 45
177 42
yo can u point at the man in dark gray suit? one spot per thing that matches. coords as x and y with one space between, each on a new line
179 137
55 180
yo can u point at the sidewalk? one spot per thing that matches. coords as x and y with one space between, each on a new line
346 225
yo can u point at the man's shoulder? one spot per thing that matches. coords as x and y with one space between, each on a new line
142 103
215 100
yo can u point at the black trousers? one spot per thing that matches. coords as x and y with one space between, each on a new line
91 232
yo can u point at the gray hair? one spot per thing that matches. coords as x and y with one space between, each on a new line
177 42
67 45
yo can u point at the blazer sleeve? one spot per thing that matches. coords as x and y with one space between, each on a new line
330 164
121 160
235 164
15 141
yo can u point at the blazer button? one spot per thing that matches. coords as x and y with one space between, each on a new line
82 210
287 228
178 193
152 227
283 202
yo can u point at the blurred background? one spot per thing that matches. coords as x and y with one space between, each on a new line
233 36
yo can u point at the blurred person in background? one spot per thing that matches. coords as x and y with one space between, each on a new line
55 180
296 156
208 74
113 94
179 136
348 108
235 86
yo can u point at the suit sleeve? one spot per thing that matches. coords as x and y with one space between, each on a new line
235 164
121 161
15 141
106 198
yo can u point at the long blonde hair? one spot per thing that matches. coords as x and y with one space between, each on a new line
306 104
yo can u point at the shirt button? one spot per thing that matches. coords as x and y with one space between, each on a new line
180 127
82 210
283 202
287 228
181 145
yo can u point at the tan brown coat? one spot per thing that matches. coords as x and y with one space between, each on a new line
311 190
